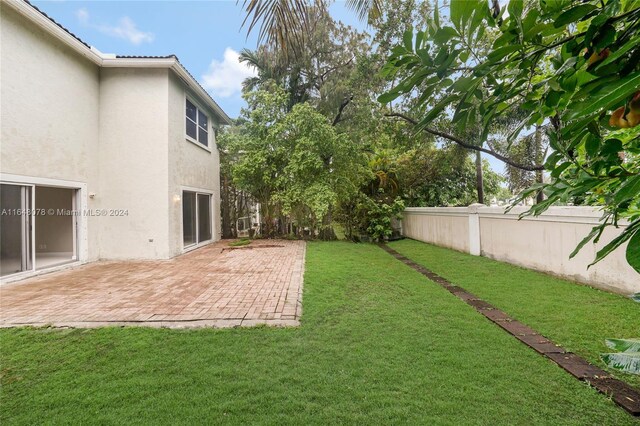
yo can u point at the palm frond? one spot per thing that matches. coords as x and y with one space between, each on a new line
251 58
281 23
284 24
370 9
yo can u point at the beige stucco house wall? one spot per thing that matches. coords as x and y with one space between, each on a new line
191 166
43 83
110 128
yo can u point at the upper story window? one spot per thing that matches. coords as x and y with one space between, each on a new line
197 124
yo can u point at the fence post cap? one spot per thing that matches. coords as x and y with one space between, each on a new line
473 208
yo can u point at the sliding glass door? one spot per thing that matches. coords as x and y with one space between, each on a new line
196 218
204 217
189 219
16 238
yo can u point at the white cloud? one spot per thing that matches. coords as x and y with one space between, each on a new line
224 78
83 16
126 28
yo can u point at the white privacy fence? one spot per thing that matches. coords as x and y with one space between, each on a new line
542 243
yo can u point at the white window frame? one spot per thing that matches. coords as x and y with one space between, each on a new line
184 122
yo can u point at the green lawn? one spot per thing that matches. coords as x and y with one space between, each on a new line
379 343
575 316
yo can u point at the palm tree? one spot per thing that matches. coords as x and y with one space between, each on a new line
284 23
258 61
271 67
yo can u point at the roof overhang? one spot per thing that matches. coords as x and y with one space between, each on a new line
108 61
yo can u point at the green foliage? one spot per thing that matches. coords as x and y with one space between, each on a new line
337 74
574 68
293 163
624 345
322 167
628 357
321 74
433 177
367 216
379 217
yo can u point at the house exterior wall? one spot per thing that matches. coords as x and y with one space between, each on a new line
112 128
543 243
191 166
133 163
49 108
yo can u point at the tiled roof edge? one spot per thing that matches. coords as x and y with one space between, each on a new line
58 24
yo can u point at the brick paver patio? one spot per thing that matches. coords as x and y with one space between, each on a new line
216 285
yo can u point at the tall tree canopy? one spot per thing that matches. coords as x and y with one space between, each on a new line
293 162
572 66
337 75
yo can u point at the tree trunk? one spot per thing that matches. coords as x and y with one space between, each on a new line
227 231
268 220
479 180
326 232
539 159
539 179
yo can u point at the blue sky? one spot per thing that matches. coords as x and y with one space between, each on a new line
205 35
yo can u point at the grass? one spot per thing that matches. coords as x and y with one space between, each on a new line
575 316
379 344
241 242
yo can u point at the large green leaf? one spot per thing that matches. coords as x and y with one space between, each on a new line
613 57
388 97
444 34
627 362
462 10
574 14
458 11
436 110
623 345
503 51
407 38
629 189
633 252
617 241
592 146
596 231
605 97
515 7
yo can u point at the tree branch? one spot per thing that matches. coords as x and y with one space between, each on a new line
464 144
343 105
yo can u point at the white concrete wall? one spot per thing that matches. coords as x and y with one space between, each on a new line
190 165
48 111
542 243
442 226
133 163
